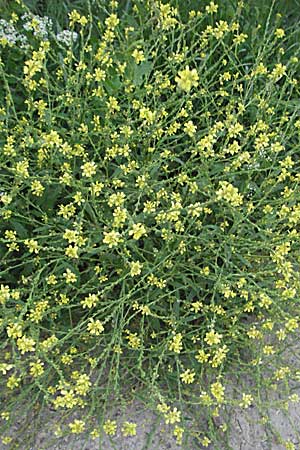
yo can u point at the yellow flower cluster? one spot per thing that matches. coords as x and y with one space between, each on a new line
187 78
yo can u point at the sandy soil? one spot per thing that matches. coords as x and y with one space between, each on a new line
247 432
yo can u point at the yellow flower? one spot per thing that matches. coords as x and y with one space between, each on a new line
172 416
88 169
83 383
129 429
278 72
13 381
246 401
22 168
212 338
137 231
90 301
289 445
36 368
176 343
138 56
4 293
112 104
110 427
178 433
14 330
205 441
95 327
72 252
217 391
112 21
37 188
188 376
77 426
187 79
229 193
211 8
112 238
25 344
189 128
202 357
135 268
51 280
32 245
69 276
279 33
120 215
4 367
133 340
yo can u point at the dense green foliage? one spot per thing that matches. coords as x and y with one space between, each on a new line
150 208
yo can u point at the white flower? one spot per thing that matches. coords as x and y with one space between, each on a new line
67 37
11 35
39 25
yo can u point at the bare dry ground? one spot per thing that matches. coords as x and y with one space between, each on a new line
246 429
246 433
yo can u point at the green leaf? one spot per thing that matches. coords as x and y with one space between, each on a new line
142 71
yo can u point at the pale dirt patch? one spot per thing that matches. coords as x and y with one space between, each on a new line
246 431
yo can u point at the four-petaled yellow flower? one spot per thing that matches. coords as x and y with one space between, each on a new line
135 268
95 327
187 79
129 429
188 376
77 426
88 169
137 231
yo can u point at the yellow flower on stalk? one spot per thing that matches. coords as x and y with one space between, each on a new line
4 293
95 327
112 238
246 401
36 368
133 340
229 193
129 429
32 245
189 128
13 382
137 231
135 268
70 276
14 330
278 72
205 441
4 368
72 252
112 21
110 427
77 426
188 376
187 79
289 445
25 344
178 433
172 416
88 169
211 8
176 343
279 33
212 338
138 56
90 301
217 391
37 188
